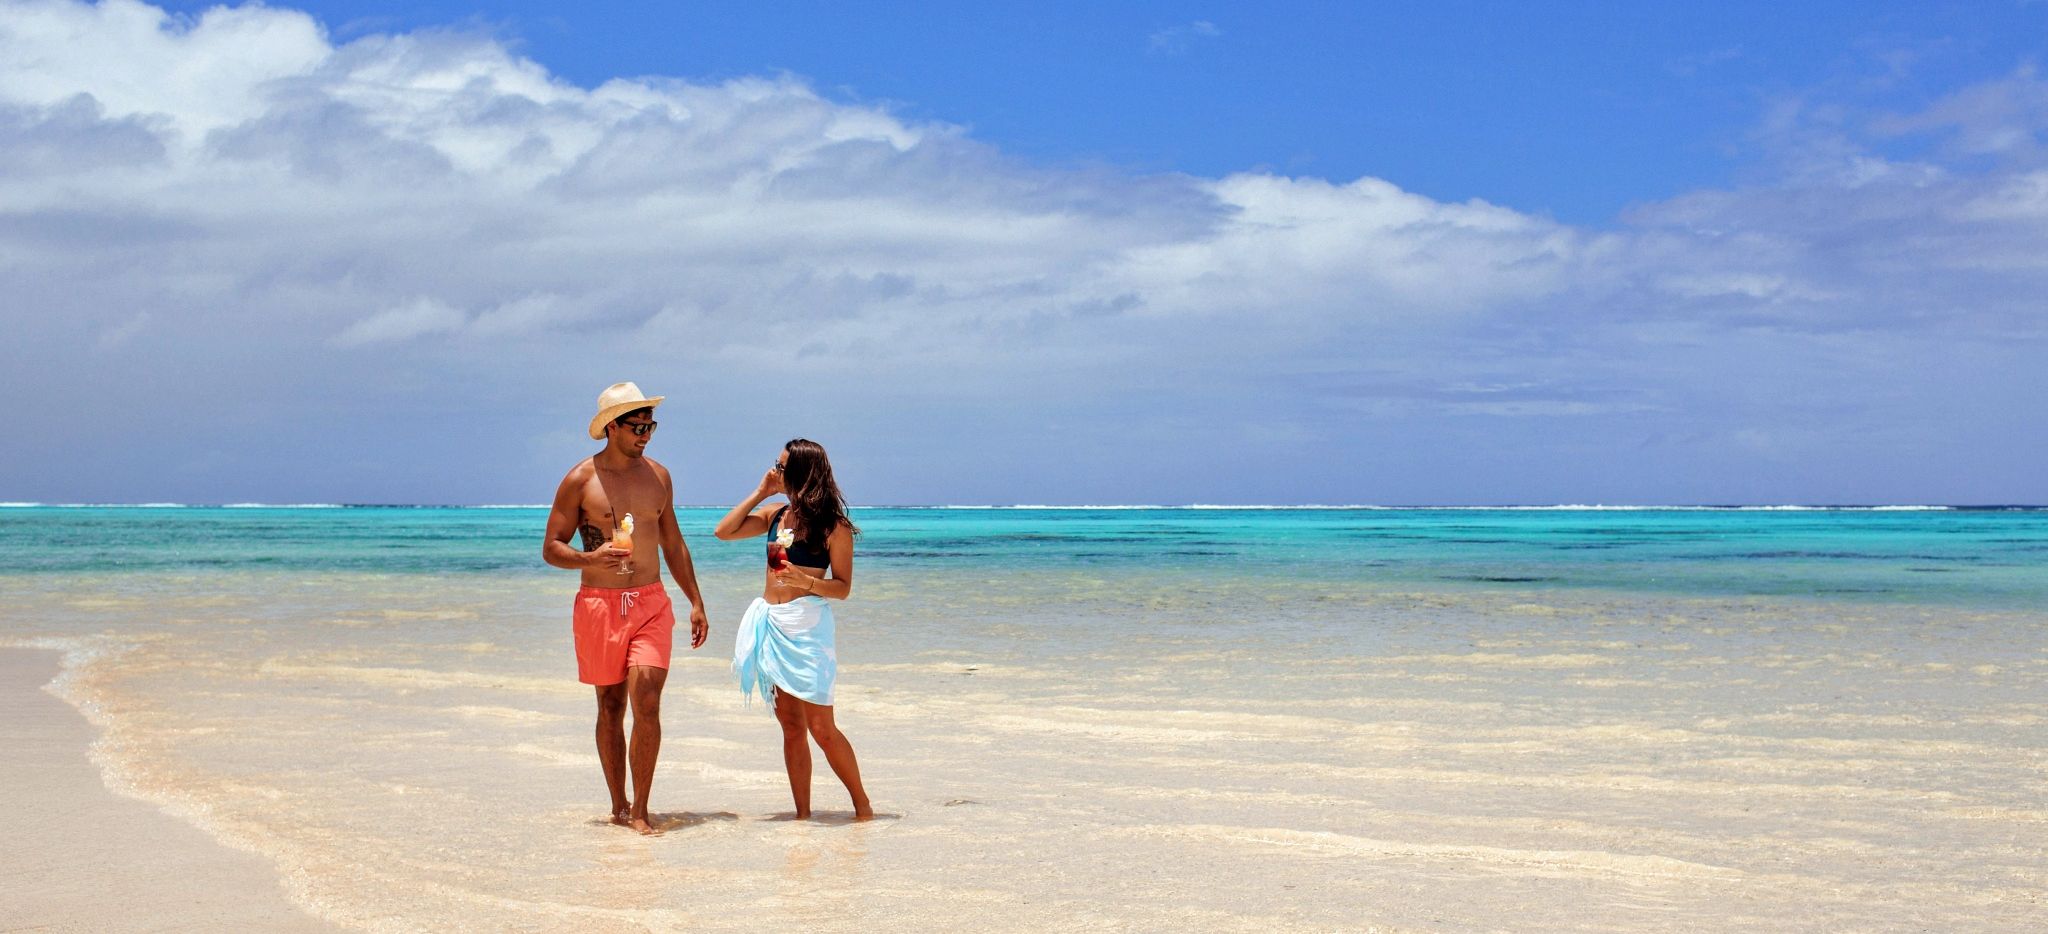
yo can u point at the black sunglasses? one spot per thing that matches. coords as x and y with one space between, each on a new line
639 429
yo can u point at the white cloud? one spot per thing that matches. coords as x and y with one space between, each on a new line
413 319
2005 116
125 331
135 59
1365 248
1176 40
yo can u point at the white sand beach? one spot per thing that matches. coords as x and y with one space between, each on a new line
81 858
414 753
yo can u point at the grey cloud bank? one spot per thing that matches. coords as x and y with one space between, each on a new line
244 263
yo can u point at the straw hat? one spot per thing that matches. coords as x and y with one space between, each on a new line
617 400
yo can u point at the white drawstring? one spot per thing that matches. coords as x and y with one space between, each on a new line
626 598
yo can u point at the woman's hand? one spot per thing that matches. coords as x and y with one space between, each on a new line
789 575
742 521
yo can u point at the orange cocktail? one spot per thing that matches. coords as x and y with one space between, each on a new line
623 538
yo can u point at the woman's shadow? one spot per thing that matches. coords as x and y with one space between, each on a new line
670 821
830 818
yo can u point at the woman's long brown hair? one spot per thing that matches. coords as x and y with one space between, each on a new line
807 478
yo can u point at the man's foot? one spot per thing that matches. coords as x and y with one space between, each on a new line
641 826
623 816
862 810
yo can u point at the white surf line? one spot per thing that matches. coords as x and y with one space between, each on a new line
1600 862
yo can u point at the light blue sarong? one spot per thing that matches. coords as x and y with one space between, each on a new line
786 646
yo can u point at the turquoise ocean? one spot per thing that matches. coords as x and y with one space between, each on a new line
1104 719
1960 555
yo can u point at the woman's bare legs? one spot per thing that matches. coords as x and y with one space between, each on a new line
839 755
799 718
796 750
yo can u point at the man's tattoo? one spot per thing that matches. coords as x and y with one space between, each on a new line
593 537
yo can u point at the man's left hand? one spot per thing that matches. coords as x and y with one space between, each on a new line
700 628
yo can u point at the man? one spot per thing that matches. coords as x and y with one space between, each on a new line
623 619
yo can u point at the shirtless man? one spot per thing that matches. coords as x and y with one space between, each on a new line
623 619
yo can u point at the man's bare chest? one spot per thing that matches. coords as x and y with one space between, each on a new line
610 496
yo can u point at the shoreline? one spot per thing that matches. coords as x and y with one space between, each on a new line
81 857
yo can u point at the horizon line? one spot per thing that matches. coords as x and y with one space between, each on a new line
1585 507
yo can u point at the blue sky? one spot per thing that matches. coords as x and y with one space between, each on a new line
1575 110
1443 253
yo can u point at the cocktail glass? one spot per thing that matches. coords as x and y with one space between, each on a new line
622 537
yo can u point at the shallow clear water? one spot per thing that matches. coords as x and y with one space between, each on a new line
1116 720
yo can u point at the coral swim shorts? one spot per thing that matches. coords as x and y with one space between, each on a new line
619 627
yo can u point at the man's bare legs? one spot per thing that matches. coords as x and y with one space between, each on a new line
611 746
643 689
799 718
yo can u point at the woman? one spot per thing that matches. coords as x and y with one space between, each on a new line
784 645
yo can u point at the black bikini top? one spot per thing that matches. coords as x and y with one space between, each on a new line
799 554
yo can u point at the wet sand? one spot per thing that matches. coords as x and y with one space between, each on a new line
79 857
